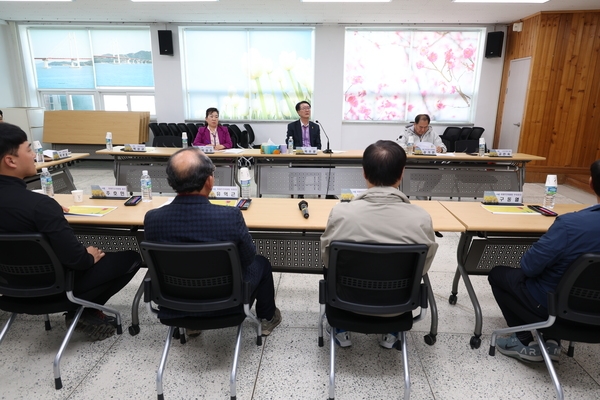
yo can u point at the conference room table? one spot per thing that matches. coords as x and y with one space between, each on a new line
493 239
441 175
61 176
279 231
128 167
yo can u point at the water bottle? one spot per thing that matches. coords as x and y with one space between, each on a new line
146 186
481 147
46 181
410 147
245 180
290 144
39 152
184 142
550 192
109 144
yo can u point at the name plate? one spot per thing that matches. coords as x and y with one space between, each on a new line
500 153
109 192
57 154
424 152
225 192
492 197
306 150
134 147
350 194
206 149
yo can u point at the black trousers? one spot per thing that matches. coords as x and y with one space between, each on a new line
107 277
516 303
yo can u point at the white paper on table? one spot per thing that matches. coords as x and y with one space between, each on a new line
446 154
338 151
234 151
169 201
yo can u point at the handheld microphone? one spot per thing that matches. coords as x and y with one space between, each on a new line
327 150
303 206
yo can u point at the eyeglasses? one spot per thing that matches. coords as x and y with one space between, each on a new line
304 108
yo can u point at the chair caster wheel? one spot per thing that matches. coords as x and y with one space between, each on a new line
134 330
430 339
452 299
475 342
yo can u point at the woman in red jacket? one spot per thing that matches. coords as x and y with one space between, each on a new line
213 134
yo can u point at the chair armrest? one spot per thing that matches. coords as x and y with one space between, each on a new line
147 290
69 280
246 292
424 292
322 291
552 303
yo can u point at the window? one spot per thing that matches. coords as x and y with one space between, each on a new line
247 73
394 75
72 66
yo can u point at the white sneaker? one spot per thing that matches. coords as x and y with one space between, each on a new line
388 340
342 338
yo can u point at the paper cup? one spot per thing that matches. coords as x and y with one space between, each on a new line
77 196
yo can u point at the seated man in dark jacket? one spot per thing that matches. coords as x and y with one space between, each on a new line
98 275
192 218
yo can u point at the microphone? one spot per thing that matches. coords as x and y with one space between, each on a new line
327 150
303 206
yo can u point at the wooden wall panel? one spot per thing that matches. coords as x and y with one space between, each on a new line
562 113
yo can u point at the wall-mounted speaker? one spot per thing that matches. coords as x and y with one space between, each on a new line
165 43
493 44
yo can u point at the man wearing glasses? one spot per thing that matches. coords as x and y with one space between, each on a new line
304 132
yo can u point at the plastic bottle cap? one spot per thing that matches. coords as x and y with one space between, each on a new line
144 172
481 140
109 135
244 174
551 180
37 144
44 169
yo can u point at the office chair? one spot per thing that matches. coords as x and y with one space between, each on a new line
190 135
193 132
465 132
476 133
450 136
164 129
155 129
197 278
365 281
573 312
466 146
174 129
167 141
34 282
251 136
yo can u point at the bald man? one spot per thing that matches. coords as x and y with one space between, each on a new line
191 218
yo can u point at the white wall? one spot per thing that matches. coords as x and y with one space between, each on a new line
328 94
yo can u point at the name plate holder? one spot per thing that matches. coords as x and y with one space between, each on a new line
225 192
500 153
206 149
306 150
349 194
109 192
502 198
57 154
135 147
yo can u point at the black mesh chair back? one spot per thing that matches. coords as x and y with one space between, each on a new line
465 132
167 141
241 136
450 136
193 129
174 129
190 135
202 280
251 136
372 288
466 146
476 133
235 137
164 129
33 281
573 309
155 129
375 279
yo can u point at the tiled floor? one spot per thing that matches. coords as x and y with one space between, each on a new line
290 364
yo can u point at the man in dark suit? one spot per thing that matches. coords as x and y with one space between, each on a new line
191 218
304 132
